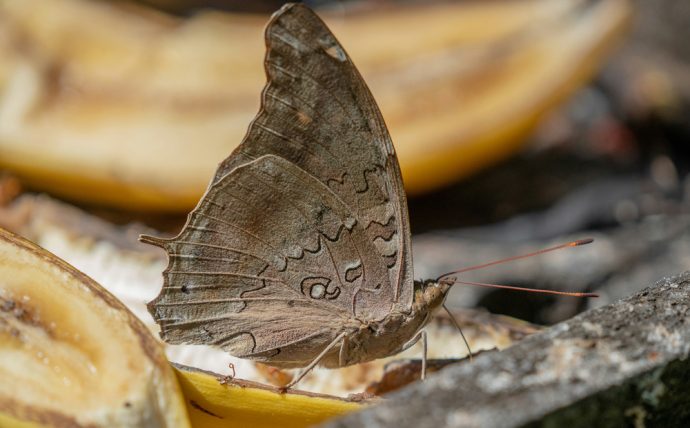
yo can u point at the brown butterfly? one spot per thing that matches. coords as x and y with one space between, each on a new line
299 252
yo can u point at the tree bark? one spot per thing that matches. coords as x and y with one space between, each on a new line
622 364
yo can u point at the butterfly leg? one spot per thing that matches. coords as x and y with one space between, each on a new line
342 355
316 361
457 325
415 339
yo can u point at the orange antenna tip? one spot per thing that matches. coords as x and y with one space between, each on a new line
589 295
581 242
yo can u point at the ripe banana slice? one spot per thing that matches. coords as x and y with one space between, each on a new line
73 355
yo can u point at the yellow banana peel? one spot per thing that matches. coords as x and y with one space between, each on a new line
8 421
131 108
235 403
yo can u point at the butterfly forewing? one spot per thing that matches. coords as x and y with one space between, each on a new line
318 113
304 227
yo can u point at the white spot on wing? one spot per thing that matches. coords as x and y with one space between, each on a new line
317 291
331 47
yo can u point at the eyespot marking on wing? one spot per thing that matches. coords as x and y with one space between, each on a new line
318 287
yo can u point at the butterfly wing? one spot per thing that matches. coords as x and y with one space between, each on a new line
263 265
318 113
304 228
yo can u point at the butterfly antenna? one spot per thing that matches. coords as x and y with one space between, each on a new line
531 290
448 277
522 256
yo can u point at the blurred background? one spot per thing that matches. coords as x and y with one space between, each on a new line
518 125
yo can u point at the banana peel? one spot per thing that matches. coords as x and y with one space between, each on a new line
73 355
131 108
217 403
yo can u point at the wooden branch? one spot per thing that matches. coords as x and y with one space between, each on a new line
623 364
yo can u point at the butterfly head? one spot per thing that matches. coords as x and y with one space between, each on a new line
431 293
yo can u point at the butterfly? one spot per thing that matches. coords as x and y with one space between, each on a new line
298 253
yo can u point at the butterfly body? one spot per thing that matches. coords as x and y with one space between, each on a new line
389 336
369 340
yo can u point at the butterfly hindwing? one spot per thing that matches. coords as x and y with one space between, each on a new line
269 257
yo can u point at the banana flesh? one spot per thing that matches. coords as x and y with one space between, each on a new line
133 109
73 355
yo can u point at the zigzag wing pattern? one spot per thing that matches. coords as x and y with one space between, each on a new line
270 261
